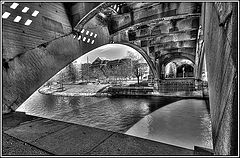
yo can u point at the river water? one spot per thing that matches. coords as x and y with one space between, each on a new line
165 119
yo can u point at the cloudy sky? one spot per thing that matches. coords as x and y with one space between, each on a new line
109 51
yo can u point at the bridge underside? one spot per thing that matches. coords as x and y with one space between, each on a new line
166 31
33 53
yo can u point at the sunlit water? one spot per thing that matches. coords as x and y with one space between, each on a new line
152 118
183 123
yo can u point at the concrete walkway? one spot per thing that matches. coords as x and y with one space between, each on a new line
27 135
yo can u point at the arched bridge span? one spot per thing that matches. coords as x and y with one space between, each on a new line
26 72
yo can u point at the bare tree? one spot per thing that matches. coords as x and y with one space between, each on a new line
137 66
72 72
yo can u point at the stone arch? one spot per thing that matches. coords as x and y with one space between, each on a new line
91 14
188 69
165 59
144 55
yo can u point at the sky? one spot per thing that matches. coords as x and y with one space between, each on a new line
109 51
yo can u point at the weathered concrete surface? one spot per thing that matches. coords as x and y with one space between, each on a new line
37 129
46 26
202 151
121 144
14 119
49 137
26 73
166 31
12 147
77 140
220 38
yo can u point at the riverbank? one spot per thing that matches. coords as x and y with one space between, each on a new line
102 90
29 135
76 90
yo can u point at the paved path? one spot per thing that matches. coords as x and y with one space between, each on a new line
40 136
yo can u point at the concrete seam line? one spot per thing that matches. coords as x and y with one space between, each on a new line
34 120
99 143
228 93
29 144
50 133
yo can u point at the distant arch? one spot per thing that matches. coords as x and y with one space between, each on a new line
167 58
185 70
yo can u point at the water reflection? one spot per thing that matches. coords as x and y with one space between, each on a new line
170 120
115 114
184 123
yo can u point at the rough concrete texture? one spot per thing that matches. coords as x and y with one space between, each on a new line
149 11
28 72
34 130
12 146
121 144
46 26
77 140
15 147
174 37
44 136
14 119
220 48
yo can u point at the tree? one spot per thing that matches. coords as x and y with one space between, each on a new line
72 73
85 71
138 67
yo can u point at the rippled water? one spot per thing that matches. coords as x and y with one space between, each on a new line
152 118
114 114
183 123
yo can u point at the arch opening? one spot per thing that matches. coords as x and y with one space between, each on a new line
110 63
179 68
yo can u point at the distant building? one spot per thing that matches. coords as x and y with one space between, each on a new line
100 69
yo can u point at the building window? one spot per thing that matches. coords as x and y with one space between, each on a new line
144 43
143 31
151 49
131 35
